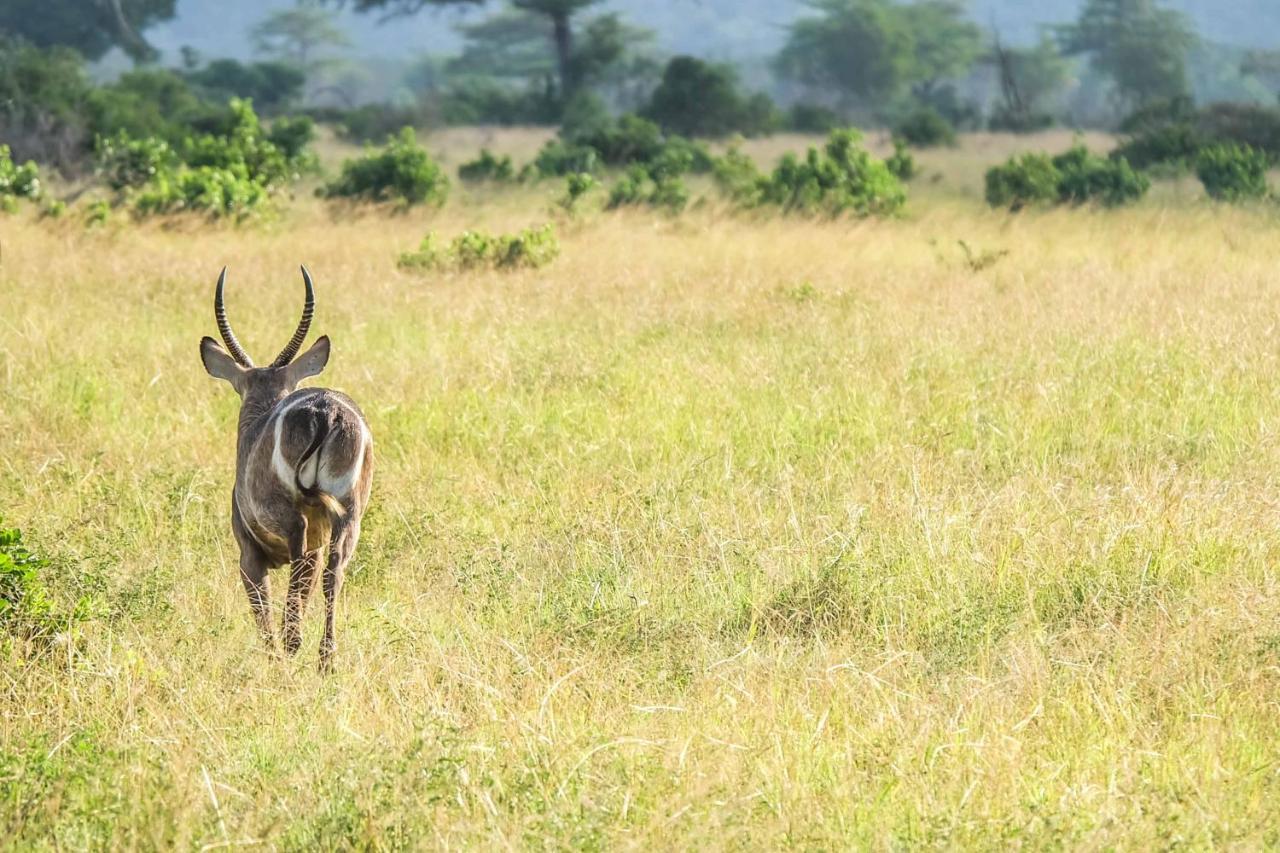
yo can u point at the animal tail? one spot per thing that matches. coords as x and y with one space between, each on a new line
307 473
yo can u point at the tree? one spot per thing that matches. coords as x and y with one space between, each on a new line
299 37
1028 77
1140 46
858 47
696 98
872 50
944 43
558 14
272 86
92 27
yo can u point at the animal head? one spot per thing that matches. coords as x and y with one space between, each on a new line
281 376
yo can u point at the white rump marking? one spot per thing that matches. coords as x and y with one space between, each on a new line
284 471
339 484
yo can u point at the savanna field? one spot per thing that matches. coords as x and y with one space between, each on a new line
722 531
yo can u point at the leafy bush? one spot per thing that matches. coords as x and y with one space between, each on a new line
1022 181
402 172
1232 172
1251 125
640 186
1085 177
842 178
125 162
487 167
17 181
925 128
28 613
1018 121
577 186
1074 177
531 248
900 162
559 158
696 98
738 178
293 135
812 118
1175 147
272 86
371 122
229 174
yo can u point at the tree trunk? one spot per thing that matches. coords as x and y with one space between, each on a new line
564 52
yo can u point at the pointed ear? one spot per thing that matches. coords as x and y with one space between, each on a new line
310 362
218 363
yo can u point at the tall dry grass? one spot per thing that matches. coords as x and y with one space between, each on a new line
718 533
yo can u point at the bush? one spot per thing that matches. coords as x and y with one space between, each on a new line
1026 180
1018 121
738 178
1074 177
1250 125
124 162
487 167
228 174
17 181
900 162
1175 147
28 613
577 186
559 158
372 122
696 98
639 186
812 118
1232 173
1085 177
925 128
273 86
293 135
401 172
531 248
843 178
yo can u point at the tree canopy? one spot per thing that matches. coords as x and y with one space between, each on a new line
1140 46
91 27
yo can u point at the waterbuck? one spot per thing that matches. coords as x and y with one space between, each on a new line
304 465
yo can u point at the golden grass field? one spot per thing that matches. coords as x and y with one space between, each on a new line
721 532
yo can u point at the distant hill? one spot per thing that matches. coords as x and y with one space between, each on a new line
719 29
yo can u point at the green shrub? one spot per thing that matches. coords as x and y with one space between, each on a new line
487 167
577 186
17 181
1175 147
372 122
559 158
1018 121
531 248
696 98
1073 177
29 615
124 162
293 135
1029 179
812 118
638 186
738 178
232 173
401 172
1232 172
900 162
925 128
1085 177
842 178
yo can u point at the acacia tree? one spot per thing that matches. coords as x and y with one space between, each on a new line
299 36
559 14
1139 45
872 50
91 27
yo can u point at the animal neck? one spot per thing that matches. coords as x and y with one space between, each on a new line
255 411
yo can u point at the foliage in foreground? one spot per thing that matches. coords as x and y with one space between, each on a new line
841 178
531 248
487 167
30 620
1073 177
401 172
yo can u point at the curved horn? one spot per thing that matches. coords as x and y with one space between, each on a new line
308 309
224 326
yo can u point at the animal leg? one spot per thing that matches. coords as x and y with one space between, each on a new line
302 576
253 573
341 546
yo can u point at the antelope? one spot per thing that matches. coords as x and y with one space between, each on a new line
304 466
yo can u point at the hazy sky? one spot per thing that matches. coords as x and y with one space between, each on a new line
720 29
